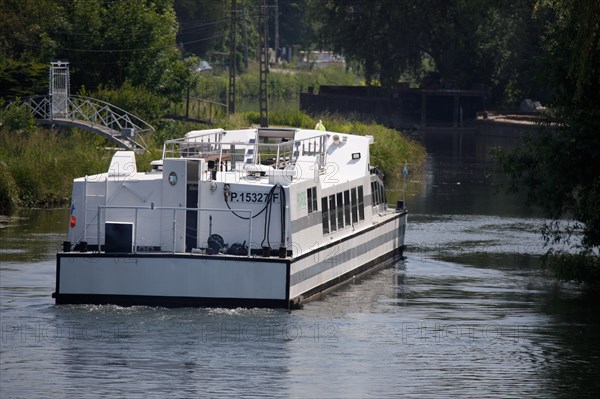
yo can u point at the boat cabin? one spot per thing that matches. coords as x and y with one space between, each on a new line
272 192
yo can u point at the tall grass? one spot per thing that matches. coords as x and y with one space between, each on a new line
38 166
391 151
283 84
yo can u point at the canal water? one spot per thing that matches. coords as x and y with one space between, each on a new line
469 313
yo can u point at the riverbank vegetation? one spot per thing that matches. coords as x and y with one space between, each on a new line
559 168
38 165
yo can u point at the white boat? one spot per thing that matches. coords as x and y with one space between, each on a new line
264 217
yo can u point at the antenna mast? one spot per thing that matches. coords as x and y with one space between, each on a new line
232 57
263 21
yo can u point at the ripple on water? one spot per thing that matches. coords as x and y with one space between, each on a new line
443 323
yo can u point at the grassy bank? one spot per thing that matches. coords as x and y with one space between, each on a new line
391 150
38 165
283 83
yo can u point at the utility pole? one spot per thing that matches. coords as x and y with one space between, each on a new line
264 64
232 57
276 31
245 38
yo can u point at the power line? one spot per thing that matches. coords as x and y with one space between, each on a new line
185 26
132 50
184 30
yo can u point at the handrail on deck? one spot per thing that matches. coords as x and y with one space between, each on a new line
200 147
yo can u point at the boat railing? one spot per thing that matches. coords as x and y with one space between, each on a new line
198 146
271 154
288 153
146 217
209 145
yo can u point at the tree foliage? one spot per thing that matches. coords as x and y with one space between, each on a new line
205 26
485 42
560 167
379 36
106 42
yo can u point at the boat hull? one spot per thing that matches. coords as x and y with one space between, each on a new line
181 280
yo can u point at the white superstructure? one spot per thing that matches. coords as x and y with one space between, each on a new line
252 217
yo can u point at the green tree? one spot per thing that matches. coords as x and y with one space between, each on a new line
559 169
298 26
114 42
379 36
203 25
27 43
205 29
107 43
485 42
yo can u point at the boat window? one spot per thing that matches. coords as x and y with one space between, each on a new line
340 210
347 208
312 199
311 195
332 213
361 204
324 210
354 206
378 194
373 195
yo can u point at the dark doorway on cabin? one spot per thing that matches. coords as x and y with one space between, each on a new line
191 217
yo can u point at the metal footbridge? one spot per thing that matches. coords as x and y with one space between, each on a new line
60 108
107 120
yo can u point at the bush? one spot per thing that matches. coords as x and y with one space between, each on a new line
391 150
43 175
168 129
580 267
136 100
292 118
9 195
17 117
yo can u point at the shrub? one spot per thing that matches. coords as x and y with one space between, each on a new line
17 117
136 100
9 195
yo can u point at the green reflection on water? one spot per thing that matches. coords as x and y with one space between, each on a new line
32 234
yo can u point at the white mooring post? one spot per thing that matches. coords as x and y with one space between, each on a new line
59 89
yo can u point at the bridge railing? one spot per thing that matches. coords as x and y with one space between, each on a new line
40 106
105 114
96 113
